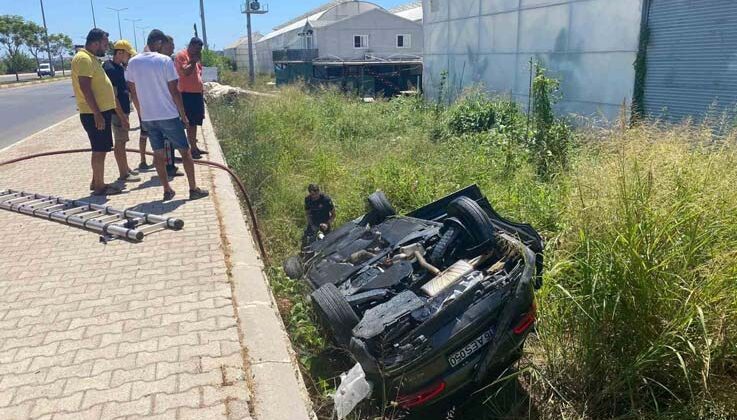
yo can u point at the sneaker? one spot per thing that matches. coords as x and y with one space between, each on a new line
133 172
198 193
196 154
143 166
169 195
129 178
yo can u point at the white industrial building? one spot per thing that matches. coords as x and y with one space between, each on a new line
238 52
347 30
591 46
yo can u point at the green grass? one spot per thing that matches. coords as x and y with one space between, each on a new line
638 315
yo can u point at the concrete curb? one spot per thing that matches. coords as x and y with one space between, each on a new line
33 82
277 389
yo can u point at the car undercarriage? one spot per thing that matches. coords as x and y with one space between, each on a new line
429 302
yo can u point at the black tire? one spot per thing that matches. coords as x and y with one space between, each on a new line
293 267
444 246
474 219
335 312
379 208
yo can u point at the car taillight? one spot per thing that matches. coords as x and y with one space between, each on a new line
421 397
527 320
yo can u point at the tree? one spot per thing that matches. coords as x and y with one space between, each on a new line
21 63
60 44
14 31
35 41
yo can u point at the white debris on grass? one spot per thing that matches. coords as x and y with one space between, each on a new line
214 90
352 390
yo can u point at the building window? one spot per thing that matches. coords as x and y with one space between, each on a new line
404 41
434 5
360 41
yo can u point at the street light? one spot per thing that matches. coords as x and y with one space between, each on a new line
120 31
204 29
133 23
46 33
143 34
94 23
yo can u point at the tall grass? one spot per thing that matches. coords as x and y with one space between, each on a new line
638 315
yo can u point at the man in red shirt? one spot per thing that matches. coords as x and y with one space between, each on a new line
189 68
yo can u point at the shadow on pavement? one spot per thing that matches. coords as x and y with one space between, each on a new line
158 206
151 183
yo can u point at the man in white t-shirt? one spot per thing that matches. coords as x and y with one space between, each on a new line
152 80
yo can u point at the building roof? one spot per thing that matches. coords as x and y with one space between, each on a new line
313 16
411 11
243 40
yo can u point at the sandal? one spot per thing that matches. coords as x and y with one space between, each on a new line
108 190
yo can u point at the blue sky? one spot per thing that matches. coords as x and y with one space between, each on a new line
224 21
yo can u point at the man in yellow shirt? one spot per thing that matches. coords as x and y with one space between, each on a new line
96 103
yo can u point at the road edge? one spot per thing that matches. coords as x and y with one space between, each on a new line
43 130
13 85
278 391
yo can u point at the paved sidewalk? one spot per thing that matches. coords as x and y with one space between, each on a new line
122 330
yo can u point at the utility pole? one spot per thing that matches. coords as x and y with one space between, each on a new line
251 71
94 23
251 7
133 23
120 30
202 16
46 33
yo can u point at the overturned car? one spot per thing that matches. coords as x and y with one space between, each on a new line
430 302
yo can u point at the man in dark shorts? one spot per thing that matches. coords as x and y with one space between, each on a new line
320 214
189 68
96 102
115 70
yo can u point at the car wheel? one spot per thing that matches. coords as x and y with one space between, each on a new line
335 312
379 208
444 245
293 267
474 219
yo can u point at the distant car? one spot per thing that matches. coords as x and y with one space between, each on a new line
428 303
46 69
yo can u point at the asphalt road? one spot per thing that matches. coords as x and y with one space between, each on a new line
28 109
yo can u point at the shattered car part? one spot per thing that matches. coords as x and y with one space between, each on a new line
352 390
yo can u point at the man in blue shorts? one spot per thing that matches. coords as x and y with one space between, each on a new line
151 75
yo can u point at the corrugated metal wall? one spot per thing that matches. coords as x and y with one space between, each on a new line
691 58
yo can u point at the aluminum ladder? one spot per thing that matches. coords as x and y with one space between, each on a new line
105 220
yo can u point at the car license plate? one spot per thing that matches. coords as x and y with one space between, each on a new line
459 356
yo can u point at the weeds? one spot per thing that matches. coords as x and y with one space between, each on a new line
638 315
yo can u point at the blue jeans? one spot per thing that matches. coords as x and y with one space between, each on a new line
171 130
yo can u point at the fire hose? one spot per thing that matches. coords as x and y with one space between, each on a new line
252 214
